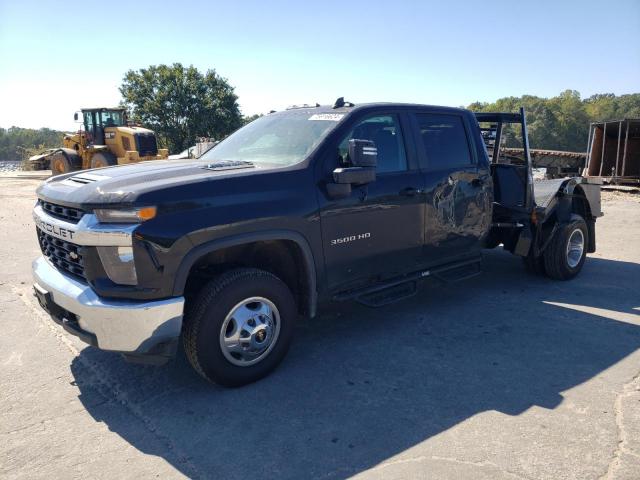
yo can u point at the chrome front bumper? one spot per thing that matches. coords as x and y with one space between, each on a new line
126 326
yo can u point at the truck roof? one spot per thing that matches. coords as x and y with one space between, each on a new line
371 105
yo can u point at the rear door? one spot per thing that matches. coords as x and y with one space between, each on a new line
457 192
378 231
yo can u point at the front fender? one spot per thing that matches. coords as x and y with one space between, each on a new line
199 251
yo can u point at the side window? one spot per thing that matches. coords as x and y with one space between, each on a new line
385 132
88 122
445 141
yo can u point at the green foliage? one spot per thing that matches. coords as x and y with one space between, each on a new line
181 103
250 118
562 122
19 143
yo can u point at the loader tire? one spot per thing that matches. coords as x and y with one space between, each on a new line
103 159
60 164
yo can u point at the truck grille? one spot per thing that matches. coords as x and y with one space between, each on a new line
146 143
66 256
72 215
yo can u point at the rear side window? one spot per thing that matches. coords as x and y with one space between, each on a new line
445 141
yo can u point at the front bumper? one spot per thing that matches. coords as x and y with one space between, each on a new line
135 328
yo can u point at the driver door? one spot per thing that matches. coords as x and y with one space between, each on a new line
378 231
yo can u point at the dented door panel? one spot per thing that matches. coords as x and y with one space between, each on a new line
458 194
457 213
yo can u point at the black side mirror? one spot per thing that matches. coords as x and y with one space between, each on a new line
362 153
361 169
362 160
75 116
354 175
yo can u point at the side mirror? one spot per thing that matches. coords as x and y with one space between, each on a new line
75 116
354 175
363 158
362 153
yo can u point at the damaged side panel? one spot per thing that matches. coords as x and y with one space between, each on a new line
458 213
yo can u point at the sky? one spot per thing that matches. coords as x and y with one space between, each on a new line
57 57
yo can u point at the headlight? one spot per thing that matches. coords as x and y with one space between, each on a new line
119 265
128 215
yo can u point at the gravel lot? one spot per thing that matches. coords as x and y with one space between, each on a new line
503 376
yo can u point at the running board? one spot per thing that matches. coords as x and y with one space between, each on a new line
399 288
458 274
389 295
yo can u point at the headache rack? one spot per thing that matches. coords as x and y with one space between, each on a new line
492 134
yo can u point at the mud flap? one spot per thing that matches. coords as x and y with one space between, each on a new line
523 245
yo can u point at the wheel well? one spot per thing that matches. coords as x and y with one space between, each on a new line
580 205
283 258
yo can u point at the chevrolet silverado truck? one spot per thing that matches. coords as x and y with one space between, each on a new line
298 208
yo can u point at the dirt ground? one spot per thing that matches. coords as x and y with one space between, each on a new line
503 376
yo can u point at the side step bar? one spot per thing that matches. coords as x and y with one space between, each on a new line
399 288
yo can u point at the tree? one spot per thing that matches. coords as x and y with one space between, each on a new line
250 118
17 143
181 103
562 122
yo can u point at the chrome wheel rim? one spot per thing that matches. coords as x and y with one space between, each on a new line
575 248
250 331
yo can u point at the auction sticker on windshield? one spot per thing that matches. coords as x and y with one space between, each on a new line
332 117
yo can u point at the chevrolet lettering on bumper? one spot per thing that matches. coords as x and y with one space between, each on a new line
87 232
55 230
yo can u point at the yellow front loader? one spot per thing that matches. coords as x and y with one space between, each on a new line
107 139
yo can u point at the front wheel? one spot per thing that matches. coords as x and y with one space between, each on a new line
240 327
567 252
60 164
103 159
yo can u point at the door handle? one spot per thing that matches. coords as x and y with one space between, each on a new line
410 192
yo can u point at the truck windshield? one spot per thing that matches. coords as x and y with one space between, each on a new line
282 139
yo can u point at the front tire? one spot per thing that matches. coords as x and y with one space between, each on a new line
567 252
240 327
103 159
60 164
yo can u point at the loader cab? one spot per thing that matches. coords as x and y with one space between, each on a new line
97 119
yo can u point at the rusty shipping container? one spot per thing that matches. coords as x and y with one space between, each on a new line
613 151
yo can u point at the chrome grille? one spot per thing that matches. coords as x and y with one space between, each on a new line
66 256
72 215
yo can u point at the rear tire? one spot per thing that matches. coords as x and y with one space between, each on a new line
103 159
239 327
566 254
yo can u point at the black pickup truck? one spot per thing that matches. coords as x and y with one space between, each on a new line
300 207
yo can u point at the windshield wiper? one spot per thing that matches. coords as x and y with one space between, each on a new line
228 165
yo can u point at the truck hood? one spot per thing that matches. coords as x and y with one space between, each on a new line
125 183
